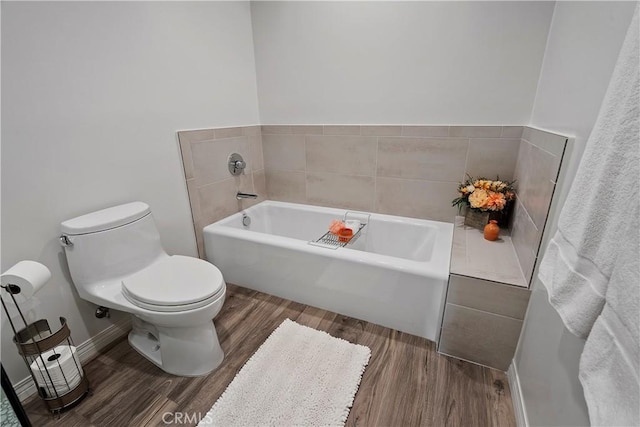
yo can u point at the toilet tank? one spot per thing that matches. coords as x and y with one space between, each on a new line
110 244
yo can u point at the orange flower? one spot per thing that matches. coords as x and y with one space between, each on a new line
478 199
495 201
482 183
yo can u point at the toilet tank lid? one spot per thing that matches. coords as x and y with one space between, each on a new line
105 219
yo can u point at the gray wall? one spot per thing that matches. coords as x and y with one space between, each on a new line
582 49
383 168
428 62
92 96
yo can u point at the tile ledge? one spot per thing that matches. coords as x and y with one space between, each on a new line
460 264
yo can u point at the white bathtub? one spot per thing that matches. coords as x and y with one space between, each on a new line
395 274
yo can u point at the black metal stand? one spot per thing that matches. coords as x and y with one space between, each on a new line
41 348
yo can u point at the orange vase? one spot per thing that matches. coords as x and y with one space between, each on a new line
491 230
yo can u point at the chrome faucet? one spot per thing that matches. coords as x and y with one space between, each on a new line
240 195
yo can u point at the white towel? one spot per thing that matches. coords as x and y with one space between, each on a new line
609 363
591 231
592 265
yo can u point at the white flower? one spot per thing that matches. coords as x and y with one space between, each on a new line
470 188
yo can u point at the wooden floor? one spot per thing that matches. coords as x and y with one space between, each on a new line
405 384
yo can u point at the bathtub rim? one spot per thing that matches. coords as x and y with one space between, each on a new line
437 267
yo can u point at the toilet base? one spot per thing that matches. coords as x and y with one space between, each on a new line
187 352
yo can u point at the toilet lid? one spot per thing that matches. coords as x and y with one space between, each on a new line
175 281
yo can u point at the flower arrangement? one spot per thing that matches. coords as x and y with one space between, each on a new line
484 195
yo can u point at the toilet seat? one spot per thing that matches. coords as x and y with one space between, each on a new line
177 283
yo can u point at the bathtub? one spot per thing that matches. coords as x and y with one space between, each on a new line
393 274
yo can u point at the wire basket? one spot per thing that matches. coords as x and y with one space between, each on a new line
332 241
52 359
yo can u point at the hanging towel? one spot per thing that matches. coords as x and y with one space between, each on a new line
579 260
592 265
609 363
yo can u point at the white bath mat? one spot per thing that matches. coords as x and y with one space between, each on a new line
299 376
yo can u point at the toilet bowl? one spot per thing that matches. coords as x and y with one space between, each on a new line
116 261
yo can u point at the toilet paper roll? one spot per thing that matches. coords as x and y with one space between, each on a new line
58 368
31 276
59 355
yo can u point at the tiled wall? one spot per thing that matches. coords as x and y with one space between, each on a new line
536 172
212 189
401 170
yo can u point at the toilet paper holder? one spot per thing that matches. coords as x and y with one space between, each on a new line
50 356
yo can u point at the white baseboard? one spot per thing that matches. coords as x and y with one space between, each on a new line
86 351
516 396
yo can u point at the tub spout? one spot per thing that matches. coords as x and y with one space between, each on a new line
240 195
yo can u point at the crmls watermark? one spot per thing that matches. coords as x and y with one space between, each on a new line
191 418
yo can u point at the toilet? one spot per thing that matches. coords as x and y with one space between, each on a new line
116 260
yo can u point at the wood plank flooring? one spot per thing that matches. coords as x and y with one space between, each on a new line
407 383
